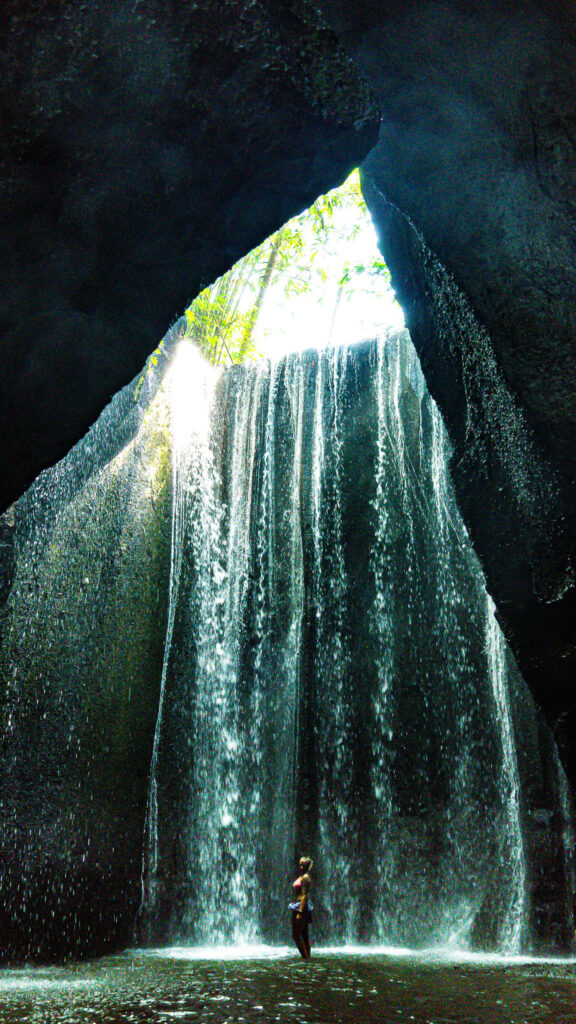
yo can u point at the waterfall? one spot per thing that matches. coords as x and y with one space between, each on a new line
291 634
514 922
191 387
336 674
234 666
330 670
427 871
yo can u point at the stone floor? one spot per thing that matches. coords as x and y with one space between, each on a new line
261 985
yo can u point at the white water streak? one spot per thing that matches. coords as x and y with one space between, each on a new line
190 386
513 927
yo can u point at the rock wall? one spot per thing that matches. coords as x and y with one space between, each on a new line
80 662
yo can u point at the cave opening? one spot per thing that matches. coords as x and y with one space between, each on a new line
319 281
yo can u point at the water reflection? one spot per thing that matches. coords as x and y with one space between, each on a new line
268 984
11 981
245 951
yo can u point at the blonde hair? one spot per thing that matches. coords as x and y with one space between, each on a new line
309 862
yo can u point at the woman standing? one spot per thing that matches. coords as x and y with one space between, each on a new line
302 908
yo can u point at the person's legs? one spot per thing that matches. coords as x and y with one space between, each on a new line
306 941
297 936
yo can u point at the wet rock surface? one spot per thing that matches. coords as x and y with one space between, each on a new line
82 647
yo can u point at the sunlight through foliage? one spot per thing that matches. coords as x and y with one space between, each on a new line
294 286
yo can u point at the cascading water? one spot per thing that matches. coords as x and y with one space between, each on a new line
513 924
329 666
190 421
284 647
334 679
399 863
233 670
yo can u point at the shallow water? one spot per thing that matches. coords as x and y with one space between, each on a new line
270 984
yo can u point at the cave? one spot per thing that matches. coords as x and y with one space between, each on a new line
144 151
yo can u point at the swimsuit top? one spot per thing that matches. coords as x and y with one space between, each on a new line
297 886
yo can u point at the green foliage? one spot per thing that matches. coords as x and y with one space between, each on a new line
218 325
302 257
